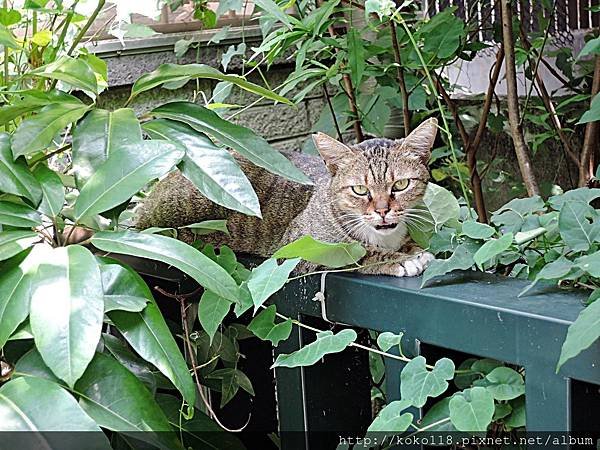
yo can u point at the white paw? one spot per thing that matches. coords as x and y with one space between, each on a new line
414 266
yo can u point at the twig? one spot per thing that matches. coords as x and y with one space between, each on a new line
590 140
473 146
521 148
401 81
86 27
332 110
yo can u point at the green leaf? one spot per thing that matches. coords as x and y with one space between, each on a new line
231 380
387 340
492 248
16 215
173 252
270 7
591 46
31 364
443 34
517 417
592 114
322 253
472 410
417 382
438 414
461 259
212 169
326 343
441 204
15 176
590 264
268 278
53 191
505 383
122 289
67 309
476 230
356 55
169 73
9 17
15 291
118 401
124 173
208 227
241 139
554 271
264 327
15 241
73 71
36 133
581 334
212 309
575 228
100 134
580 195
200 432
391 419
6 38
25 404
136 365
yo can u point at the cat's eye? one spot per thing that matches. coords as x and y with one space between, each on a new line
360 189
400 185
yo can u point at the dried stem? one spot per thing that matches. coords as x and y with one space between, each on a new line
401 82
521 148
590 140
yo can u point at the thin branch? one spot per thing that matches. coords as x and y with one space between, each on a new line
401 81
333 116
590 140
521 148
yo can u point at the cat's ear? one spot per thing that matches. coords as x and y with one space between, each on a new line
333 152
420 140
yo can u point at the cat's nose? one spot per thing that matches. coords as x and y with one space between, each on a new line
382 211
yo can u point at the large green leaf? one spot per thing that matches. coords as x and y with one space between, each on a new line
592 114
575 228
241 139
124 173
17 215
326 254
492 248
472 409
35 404
118 401
170 251
36 133
582 333
392 418
200 432
554 271
441 204
212 169
169 73
73 71
53 191
141 369
100 134
268 278
461 259
505 383
590 264
15 284
31 364
476 230
67 309
356 55
6 38
212 309
149 335
123 289
326 343
264 327
15 241
442 34
417 383
15 176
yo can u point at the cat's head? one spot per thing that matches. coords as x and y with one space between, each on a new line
376 184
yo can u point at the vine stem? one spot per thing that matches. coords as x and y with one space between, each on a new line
446 128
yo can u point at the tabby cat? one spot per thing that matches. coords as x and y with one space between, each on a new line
365 193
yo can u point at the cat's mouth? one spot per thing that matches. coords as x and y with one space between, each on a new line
386 226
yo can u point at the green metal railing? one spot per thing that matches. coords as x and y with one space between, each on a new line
474 313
